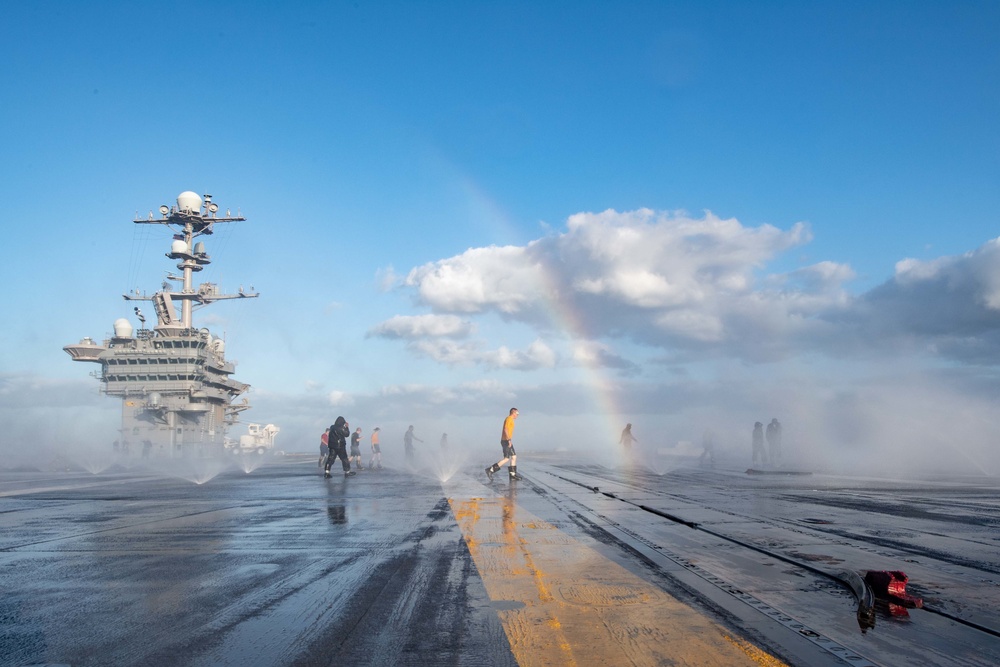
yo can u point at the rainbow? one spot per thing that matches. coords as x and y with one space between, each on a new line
603 390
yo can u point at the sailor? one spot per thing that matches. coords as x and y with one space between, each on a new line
507 444
773 434
356 447
376 460
707 448
408 439
324 446
758 444
627 438
338 446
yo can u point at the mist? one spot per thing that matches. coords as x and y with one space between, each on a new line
897 422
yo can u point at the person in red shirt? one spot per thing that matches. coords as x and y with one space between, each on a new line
324 446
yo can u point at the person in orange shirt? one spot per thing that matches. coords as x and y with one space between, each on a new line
507 443
376 460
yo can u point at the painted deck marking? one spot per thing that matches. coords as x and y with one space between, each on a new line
562 603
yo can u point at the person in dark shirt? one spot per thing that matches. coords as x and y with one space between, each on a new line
408 439
338 446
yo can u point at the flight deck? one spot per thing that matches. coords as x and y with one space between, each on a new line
267 563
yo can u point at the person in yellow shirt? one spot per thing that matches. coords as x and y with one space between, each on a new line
507 443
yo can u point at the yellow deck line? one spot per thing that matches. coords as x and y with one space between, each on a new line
562 603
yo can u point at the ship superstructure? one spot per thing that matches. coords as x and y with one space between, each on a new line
174 381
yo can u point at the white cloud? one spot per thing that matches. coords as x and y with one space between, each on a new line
417 326
386 279
702 286
594 354
948 306
340 399
975 274
691 323
910 271
447 351
453 400
537 355
484 386
665 279
506 279
657 260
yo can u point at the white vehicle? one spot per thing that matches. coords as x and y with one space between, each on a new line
258 439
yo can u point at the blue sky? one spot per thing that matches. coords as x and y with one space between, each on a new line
670 213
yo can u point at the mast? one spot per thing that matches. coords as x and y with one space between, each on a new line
193 216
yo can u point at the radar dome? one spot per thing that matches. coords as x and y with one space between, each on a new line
123 328
179 247
189 202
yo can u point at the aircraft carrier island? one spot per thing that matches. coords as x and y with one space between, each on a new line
572 565
174 382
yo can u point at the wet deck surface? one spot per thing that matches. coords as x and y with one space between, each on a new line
574 565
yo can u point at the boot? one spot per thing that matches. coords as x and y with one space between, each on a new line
513 472
492 469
